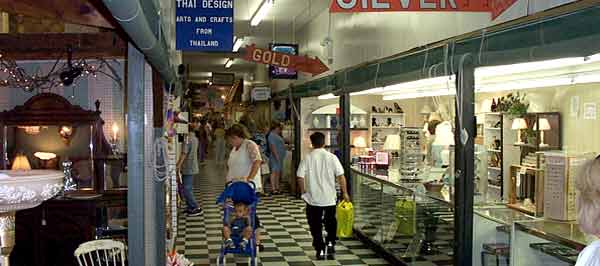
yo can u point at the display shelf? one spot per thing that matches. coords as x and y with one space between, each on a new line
495 168
521 208
533 146
494 187
498 151
493 128
397 127
387 114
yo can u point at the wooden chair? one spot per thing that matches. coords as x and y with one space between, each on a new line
101 253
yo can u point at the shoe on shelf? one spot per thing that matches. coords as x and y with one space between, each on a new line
196 212
330 251
243 244
319 255
228 243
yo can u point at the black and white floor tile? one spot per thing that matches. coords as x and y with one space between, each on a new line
286 236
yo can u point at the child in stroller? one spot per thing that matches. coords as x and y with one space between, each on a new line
239 225
239 205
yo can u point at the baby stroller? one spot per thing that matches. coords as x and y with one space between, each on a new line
239 191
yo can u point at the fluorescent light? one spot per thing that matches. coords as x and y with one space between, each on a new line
494 71
419 94
229 62
367 92
261 12
237 43
525 84
327 96
430 83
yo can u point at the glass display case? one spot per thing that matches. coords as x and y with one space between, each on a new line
406 221
547 243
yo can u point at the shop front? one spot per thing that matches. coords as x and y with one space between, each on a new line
465 152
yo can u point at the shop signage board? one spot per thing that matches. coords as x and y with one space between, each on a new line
494 7
204 25
261 94
300 63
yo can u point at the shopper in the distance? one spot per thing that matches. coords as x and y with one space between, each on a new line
317 174
187 167
220 145
588 210
277 153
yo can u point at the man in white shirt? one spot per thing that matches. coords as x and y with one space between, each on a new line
317 173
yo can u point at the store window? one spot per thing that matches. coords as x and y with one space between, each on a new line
402 169
537 125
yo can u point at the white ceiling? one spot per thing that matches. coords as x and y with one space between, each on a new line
283 19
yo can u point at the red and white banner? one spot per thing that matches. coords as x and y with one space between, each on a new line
300 63
494 7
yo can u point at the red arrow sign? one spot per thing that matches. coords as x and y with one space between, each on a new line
495 7
300 63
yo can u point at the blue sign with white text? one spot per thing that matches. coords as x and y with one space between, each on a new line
204 25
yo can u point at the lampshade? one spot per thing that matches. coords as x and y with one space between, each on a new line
392 143
425 110
45 155
359 142
543 125
519 123
444 136
21 163
435 116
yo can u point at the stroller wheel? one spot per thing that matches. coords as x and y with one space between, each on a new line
252 261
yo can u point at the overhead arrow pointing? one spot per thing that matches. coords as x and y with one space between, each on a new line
494 7
305 64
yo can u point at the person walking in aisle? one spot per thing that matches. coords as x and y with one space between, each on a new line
277 153
244 163
220 145
203 140
317 173
187 167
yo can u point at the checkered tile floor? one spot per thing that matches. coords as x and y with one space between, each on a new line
286 236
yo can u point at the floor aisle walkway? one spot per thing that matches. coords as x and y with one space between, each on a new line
287 239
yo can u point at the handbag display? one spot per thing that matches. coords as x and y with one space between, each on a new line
406 212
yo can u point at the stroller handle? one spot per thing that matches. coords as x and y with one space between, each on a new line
249 182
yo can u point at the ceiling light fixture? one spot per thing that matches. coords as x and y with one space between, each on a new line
237 43
327 96
229 62
261 12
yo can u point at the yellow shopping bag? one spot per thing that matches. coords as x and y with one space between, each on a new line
406 212
345 219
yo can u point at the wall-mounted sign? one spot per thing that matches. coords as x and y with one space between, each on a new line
223 79
300 63
261 94
494 7
204 25
276 72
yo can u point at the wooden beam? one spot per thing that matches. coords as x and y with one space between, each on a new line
48 46
70 11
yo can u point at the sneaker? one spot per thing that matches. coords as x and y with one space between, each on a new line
228 243
330 251
319 255
243 244
196 212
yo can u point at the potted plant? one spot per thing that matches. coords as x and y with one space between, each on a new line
516 105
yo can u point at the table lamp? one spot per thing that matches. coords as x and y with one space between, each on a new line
359 143
518 124
392 144
21 163
542 126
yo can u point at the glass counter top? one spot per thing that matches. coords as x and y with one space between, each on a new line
392 178
566 233
502 214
